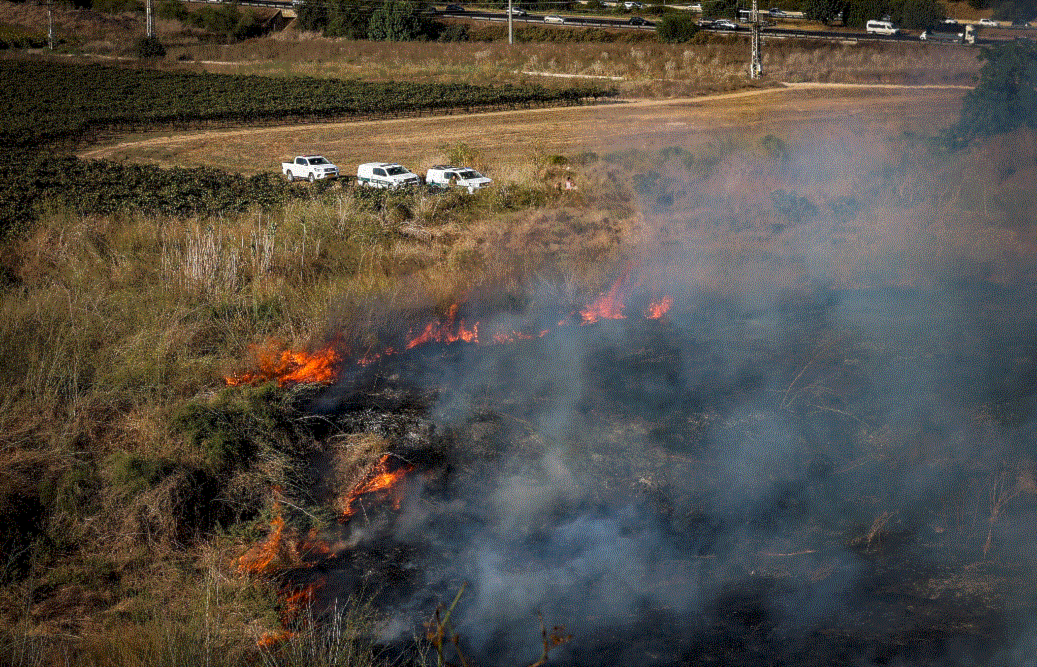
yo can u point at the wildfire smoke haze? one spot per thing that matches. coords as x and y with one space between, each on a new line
745 459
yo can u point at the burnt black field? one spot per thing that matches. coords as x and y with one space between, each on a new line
826 478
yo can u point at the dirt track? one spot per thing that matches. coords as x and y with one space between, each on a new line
508 136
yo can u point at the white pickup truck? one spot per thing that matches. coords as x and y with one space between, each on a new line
311 167
445 176
385 175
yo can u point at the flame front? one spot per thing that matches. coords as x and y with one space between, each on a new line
446 331
292 367
380 479
657 309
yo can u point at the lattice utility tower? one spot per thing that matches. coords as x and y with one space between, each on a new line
149 19
755 64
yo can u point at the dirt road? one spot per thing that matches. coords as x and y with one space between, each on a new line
512 136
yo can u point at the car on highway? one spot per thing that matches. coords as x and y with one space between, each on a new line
697 7
553 18
639 20
725 24
454 9
990 23
518 11
777 13
633 5
705 23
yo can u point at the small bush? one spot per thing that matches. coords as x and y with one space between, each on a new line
231 428
131 474
793 207
150 47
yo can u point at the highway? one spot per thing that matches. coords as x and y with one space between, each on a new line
624 23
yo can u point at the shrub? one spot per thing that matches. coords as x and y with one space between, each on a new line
150 47
1005 98
131 474
793 207
230 429
677 28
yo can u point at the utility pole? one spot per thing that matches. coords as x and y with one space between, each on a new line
511 28
149 20
755 64
50 24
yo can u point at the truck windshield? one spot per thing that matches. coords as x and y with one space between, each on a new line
318 160
469 173
396 171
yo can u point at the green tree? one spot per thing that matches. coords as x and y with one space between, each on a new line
172 9
400 21
918 14
1006 97
859 12
346 18
677 27
1015 10
720 9
824 11
312 16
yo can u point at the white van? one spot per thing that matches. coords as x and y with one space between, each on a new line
881 28
385 175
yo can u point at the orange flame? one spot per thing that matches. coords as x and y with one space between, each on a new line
380 479
271 639
266 556
657 309
296 601
445 331
292 367
609 305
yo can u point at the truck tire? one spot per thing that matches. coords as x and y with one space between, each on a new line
288 176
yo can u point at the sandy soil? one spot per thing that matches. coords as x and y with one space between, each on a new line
511 136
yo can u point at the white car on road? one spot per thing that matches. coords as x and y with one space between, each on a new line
553 18
990 23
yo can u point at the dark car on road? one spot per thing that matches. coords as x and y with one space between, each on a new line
453 9
638 20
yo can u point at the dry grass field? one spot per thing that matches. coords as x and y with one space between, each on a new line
513 138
